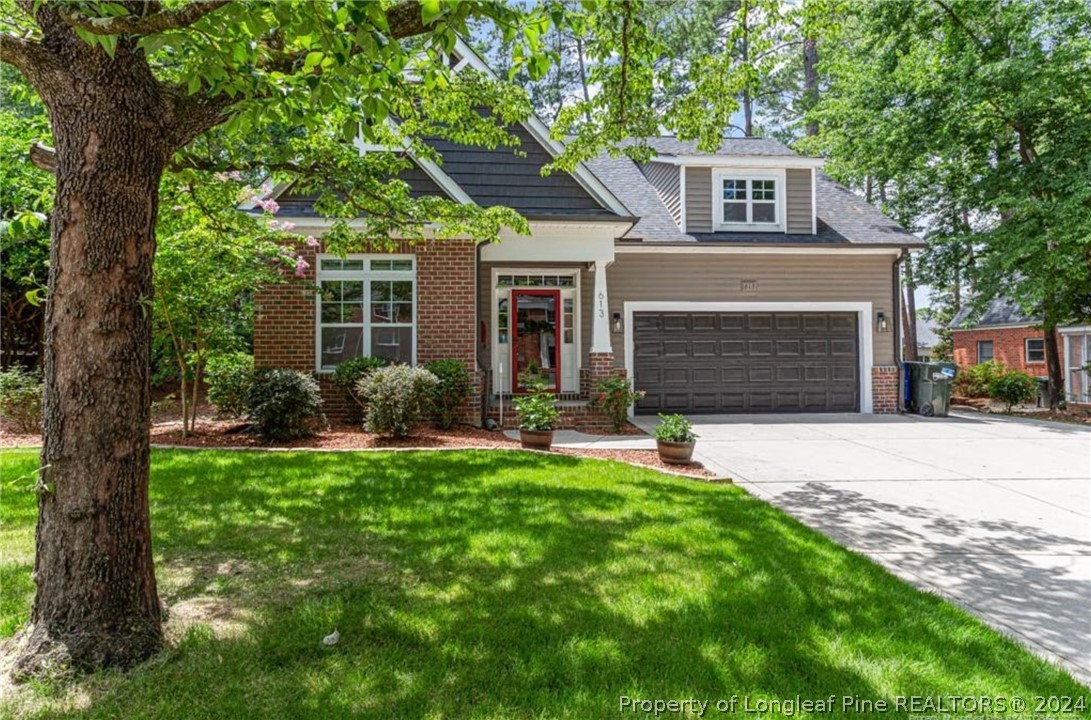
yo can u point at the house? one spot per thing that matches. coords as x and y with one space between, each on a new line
1007 334
927 339
739 281
1002 333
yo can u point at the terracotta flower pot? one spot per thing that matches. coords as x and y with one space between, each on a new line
536 439
675 453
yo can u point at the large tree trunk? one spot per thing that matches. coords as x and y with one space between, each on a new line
810 80
1053 366
910 310
96 603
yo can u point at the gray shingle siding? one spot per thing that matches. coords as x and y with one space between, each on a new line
664 178
512 177
296 204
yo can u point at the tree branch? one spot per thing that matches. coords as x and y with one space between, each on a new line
42 157
152 24
21 53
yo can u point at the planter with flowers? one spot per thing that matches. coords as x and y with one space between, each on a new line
675 439
538 416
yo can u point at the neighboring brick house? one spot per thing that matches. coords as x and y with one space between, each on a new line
743 280
1006 334
1002 333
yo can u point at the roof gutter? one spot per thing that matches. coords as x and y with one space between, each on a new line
746 161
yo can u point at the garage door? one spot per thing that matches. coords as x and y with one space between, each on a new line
708 362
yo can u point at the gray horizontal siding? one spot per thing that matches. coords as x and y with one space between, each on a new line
664 178
698 200
800 210
780 278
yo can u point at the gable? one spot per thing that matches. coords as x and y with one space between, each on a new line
512 177
301 204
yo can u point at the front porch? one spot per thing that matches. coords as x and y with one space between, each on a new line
543 309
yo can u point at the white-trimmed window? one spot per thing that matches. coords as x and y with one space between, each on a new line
984 351
1035 350
747 201
366 307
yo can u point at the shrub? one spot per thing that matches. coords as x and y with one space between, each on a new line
285 404
348 375
451 390
397 397
976 382
538 410
229 377
21 398
615 396
674 428
1014 387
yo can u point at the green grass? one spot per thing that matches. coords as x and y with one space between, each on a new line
499 585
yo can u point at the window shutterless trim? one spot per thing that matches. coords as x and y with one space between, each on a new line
749 175
1026 350
364 275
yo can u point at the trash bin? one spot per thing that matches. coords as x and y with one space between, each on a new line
928 387
1043 392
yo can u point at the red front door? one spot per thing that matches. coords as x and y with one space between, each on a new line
535 341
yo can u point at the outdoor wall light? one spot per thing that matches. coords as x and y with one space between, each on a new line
880 322
615 323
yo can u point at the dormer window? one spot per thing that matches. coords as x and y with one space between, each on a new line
747 201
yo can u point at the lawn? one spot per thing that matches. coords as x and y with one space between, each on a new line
497 584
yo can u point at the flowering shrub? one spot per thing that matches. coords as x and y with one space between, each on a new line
615 396
284 405
397 397
451 390
21 398
229 377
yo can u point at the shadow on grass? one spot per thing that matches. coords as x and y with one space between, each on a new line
479 584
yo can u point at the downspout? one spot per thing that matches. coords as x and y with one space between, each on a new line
485 373
899 355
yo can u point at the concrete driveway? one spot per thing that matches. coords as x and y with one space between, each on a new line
993 513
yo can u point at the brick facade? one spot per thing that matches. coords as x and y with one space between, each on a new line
284 318
885 389
1009 347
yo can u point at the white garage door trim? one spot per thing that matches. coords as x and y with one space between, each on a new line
863 309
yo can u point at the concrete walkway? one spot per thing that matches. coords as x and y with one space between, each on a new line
994 513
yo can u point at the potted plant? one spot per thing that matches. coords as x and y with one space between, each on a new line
674 438
538 417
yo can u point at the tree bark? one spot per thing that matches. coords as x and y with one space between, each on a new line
810 80
1053 366
96 603
910 305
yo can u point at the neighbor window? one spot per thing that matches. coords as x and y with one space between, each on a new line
984 350
366 307
747 201
1036 350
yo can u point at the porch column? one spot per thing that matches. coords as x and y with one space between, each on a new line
600 323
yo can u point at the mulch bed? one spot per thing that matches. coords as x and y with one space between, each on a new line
1074 416
233 434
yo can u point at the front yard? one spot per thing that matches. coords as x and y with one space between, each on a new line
498 584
